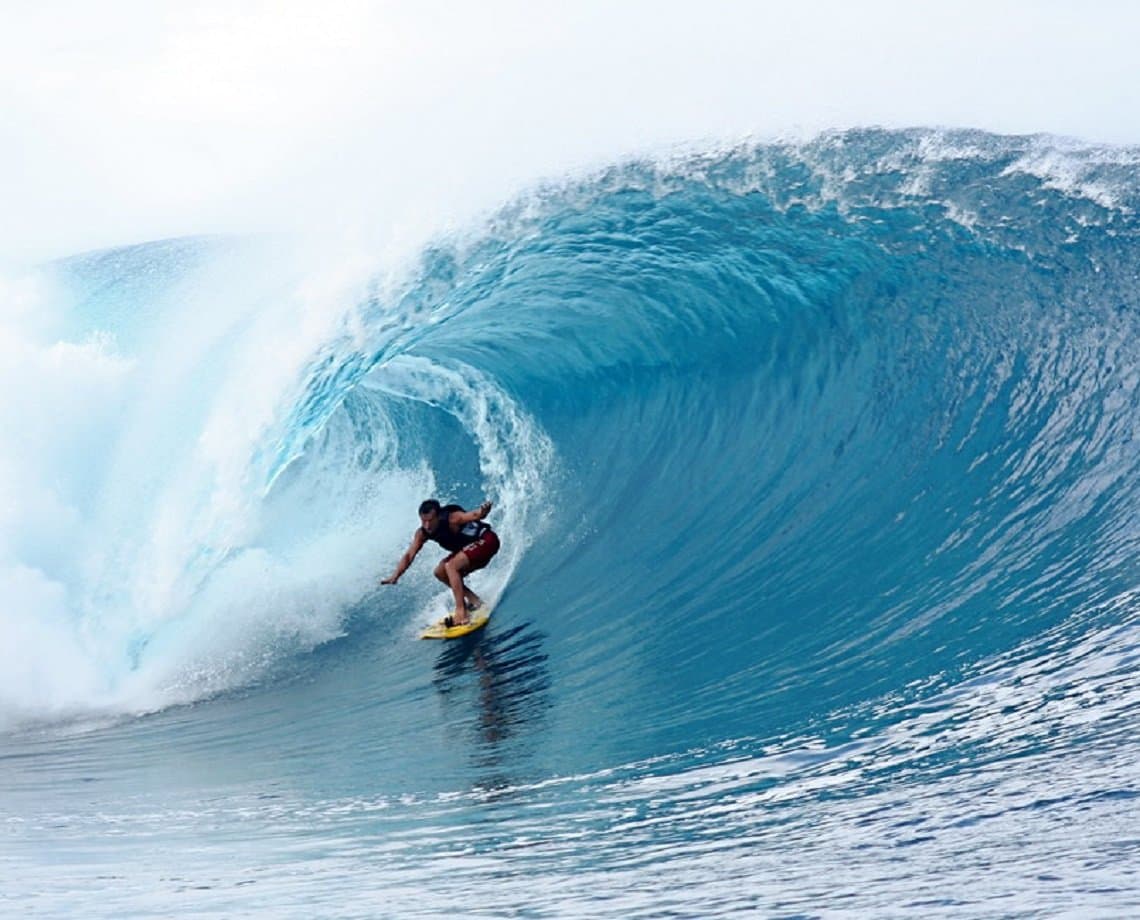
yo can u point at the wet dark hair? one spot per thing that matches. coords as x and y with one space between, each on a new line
429 506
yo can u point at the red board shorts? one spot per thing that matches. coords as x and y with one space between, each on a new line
480 552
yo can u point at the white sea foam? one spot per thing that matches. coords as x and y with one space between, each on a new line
180 518
60 398
138 561
1070 169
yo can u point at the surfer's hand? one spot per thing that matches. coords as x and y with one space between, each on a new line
484 509
390 580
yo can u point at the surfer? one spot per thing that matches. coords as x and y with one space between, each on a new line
470 542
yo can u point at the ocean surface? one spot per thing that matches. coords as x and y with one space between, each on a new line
817 471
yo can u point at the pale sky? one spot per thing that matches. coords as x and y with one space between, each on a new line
124 121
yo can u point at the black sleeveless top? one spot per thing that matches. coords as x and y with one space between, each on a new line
448 538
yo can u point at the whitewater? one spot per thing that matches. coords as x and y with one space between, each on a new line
817 472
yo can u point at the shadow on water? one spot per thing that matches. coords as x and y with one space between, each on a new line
502 679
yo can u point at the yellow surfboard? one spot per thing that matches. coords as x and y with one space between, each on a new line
479 618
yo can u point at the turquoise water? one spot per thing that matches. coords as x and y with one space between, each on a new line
815 469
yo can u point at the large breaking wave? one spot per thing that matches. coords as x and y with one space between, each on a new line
807 427
816 470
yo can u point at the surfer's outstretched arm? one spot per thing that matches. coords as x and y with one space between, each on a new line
407 559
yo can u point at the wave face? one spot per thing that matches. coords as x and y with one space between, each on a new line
816 471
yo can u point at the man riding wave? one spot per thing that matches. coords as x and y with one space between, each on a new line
470 542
